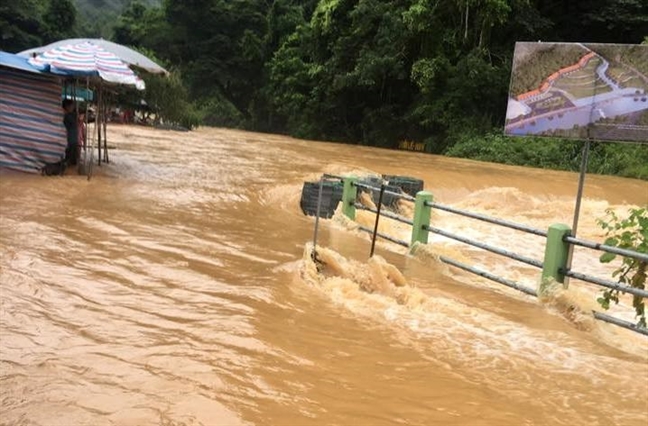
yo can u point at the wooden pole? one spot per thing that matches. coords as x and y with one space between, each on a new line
100 117
105 131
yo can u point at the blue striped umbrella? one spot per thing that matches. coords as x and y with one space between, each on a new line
86 59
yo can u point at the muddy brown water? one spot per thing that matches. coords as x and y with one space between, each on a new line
169 290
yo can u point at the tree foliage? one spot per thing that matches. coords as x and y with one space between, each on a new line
30 23
167 98
21 24
372 72
60 19
630 233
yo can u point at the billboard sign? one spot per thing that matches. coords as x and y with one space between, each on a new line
579 90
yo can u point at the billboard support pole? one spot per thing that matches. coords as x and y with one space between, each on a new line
581 184
579 197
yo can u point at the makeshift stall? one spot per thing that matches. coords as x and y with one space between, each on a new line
88 66
32 136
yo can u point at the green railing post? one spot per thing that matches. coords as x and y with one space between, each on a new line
556 256
421 217
349 194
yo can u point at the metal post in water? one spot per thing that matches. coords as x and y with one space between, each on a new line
375 231
349 194
556 258
422 212
317 216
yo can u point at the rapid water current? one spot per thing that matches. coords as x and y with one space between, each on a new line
173 289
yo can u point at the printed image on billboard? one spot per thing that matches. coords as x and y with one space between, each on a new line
579 90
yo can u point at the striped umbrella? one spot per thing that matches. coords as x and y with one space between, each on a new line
86 59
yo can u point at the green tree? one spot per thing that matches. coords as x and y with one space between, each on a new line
218 45
20 24
168 99
131 26
60 20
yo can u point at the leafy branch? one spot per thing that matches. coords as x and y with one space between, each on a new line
630 233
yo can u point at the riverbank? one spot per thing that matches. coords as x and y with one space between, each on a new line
605 158
628 160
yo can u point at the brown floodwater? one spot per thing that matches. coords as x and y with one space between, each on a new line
172 289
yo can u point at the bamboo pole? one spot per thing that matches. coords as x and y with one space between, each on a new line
105 131
100 117
93 139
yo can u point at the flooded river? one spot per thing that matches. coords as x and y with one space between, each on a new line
170 290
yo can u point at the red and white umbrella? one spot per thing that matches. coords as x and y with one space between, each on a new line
129 56
86 59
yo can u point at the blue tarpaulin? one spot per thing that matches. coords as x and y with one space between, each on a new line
10 60
79 94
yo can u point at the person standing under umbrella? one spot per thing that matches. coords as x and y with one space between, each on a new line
72 127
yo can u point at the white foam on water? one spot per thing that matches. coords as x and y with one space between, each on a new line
469 338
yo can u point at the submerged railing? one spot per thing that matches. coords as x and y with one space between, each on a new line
554 266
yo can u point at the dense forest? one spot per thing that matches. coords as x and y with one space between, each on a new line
96 17
372 72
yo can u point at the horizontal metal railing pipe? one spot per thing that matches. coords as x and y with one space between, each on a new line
609 249
400 195
621 323
487 275
489 219
502 252
384 236
365 186
390 215
408 197
607 284
329 176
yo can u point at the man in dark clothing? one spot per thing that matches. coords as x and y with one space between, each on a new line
71 126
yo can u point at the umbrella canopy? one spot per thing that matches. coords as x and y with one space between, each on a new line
128 55
86 59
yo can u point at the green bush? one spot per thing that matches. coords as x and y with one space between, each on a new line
527 151
630 233
622 159
219 112
168 99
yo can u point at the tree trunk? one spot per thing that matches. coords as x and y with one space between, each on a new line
466 30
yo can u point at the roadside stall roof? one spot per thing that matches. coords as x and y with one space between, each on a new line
10 60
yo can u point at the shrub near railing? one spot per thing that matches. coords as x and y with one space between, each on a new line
630 233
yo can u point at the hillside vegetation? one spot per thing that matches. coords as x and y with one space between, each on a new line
97 17
371 72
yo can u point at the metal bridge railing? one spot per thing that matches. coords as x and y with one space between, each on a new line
422 224
643 257
619 322
501 222
488 275
613 285
388 214
400 195
501 252
555 266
